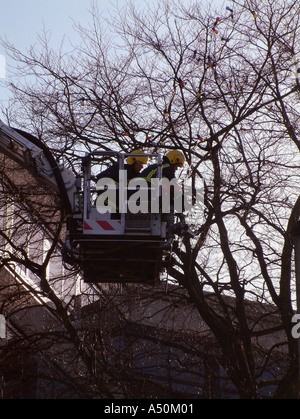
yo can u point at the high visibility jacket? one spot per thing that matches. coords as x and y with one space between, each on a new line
168 171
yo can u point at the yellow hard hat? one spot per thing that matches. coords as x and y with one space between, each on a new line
176 157
131 159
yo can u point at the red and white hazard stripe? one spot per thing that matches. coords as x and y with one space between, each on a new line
102 226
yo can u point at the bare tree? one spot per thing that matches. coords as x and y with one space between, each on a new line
222 86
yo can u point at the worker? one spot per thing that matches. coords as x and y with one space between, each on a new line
134 164
171 162
133 167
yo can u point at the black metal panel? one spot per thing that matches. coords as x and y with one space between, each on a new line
117 262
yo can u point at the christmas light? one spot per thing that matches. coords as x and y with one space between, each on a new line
166 113
201 139
215 24
230 10
181 83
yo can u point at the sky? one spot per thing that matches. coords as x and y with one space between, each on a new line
23 20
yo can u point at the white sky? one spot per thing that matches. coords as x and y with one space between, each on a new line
23 20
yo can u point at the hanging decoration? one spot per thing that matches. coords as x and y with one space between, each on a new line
215 25
149 142
181 83
210 61
195 53
148 137
200 139
166 113
231 11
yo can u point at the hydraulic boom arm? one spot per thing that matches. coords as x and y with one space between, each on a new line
35 156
